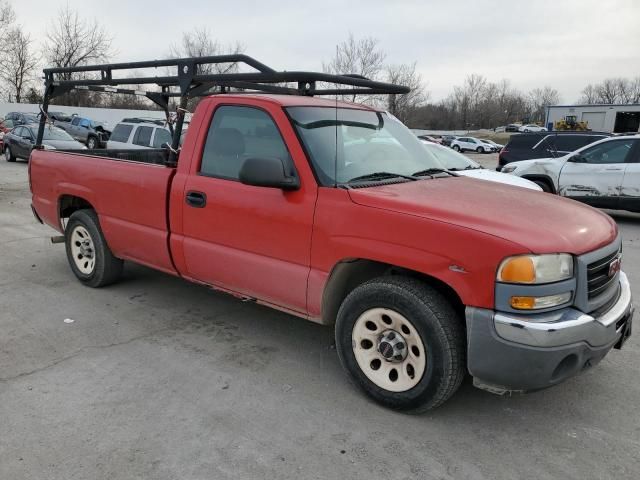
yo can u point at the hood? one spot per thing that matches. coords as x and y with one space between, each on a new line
63 144
484 174
540 222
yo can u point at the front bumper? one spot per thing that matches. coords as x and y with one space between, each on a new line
515 352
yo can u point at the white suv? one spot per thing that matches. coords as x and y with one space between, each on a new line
603 174
137 133
461 144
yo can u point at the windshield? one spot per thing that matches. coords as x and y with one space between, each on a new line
30 117
53 133
344 144
451 159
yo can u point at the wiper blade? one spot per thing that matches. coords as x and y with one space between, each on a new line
431 171
380 176
472 167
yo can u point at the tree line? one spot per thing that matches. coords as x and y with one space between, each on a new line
477 102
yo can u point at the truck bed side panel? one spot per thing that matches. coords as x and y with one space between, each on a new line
130 199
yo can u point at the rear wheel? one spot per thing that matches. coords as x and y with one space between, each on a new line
89 255
402 342
8 154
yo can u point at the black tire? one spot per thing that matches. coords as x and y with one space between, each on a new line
107 268
436 322
480 150
543 184
92 143
456 148
8 154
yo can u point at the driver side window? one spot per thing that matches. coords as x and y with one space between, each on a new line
609 152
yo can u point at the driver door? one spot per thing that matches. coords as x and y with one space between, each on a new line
594 176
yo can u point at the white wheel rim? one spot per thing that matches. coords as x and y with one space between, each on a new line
370 331
7 153
82 250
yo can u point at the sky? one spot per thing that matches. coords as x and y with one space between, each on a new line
565 44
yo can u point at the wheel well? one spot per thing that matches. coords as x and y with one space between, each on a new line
541 178
349 274
71 203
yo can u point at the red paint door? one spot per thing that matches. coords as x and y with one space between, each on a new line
252 240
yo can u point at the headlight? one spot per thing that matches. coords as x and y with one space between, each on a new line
508 169
532 269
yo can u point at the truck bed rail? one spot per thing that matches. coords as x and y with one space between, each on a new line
155 156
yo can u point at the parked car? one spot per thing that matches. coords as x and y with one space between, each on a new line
456 162
512 127
500 129
604 174
463 144
21 118
93 134
497 146
5 127
447 139
137 133
430 138
60 116
527 146
531 127
335 212
20 141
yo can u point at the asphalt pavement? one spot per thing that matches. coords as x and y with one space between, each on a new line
156 378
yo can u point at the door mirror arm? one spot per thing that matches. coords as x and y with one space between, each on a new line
577 158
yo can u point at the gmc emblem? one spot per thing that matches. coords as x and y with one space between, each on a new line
614 267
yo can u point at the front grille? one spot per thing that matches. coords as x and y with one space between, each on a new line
598 279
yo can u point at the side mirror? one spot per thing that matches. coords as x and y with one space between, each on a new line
267 172
577 158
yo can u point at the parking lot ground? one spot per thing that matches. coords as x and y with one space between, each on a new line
160 379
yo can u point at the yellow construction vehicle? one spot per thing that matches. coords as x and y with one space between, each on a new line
570 122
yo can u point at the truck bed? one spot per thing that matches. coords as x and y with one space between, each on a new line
129 196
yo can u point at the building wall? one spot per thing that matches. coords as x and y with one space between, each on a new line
110 115
590 112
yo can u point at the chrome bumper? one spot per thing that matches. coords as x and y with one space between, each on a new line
566 326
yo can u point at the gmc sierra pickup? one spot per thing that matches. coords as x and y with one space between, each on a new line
336 213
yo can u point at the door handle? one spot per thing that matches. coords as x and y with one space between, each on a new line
196 199
613 169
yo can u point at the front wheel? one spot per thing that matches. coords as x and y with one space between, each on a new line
89 255
543 185
92 143
8 154
402 342
456 148
480 150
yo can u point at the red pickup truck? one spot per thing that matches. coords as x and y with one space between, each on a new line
335 212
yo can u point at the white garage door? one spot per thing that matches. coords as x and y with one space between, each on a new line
595 120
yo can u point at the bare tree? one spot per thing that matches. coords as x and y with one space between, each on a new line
539 99
199 43
72 41
361 57
7 17
18 63
402 106
608 91
589 95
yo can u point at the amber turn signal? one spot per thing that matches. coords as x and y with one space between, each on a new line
518 270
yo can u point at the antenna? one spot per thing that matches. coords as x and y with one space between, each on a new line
335 158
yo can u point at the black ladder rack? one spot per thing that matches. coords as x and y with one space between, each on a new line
190 82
